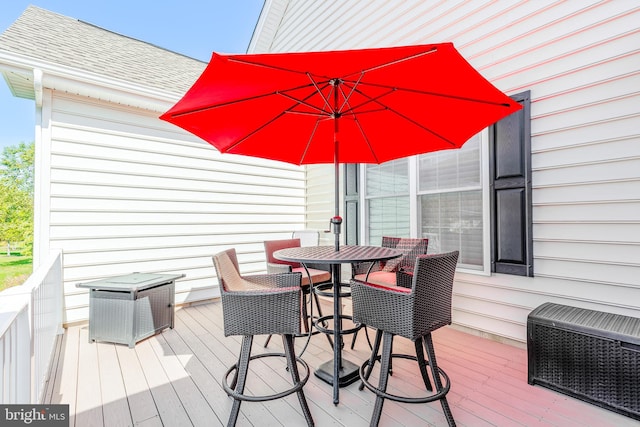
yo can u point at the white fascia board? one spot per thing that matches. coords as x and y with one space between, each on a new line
11 68
80 82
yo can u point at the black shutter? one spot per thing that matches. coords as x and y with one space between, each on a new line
351 204
510 168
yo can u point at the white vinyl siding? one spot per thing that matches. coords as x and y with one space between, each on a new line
129 192
319 200
580 61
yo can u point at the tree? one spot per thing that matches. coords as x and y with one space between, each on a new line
17 166
16 196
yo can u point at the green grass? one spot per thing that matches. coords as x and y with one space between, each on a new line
14 270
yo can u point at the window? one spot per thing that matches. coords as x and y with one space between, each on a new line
387 193
450 194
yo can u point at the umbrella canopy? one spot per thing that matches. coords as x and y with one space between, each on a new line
350 106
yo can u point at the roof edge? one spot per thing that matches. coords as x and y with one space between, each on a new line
83 83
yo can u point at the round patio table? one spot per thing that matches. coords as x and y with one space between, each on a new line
345 371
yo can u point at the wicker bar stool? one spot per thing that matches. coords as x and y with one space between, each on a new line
392 272
260 305
412 313
311 276
387 273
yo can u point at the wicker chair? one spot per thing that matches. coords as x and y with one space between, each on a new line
311 276
257 305
412 313
386 273
307 237
395 272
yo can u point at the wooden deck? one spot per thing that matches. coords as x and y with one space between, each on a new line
173 379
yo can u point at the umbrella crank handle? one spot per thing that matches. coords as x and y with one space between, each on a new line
335 224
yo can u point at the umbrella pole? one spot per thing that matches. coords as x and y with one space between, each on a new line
336 221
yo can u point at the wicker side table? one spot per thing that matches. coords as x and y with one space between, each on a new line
127 309
588 354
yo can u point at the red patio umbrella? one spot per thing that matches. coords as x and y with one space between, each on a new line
350 106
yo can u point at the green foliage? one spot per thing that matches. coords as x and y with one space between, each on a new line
16 196
17 166
14 270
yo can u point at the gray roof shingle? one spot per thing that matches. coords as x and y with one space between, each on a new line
58 39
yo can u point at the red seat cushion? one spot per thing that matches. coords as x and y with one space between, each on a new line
384 278
270 246
317 276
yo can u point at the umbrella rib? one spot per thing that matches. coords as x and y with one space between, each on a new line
303 102
357 121
353 89
259 64
236 101
352 109
364 135
442 95
308 113
253 132
214 106
426 129
319 91
306 148
393 110
279 115
289 70
397 61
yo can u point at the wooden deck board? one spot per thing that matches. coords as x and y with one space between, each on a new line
203 379
141 404
64 390
191 397
89 397
54 370
115 407
174 379
170 408
222 359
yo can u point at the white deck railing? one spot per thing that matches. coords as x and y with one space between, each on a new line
30 319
